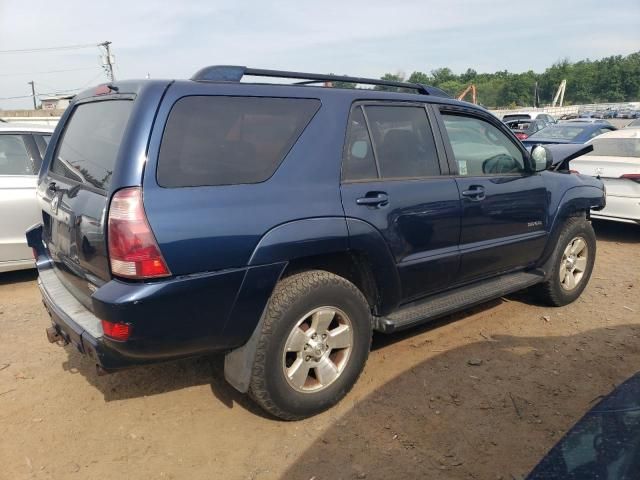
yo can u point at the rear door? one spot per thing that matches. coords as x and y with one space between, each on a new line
19 163
394 177
504 204
74 193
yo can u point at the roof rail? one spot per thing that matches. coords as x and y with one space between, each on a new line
235 73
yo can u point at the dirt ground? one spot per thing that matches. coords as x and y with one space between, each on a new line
420 410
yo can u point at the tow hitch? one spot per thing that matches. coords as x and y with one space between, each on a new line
54 336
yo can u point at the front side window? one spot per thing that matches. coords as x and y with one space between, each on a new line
480 148
14 156
211 140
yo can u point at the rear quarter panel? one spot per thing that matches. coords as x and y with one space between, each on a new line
216 227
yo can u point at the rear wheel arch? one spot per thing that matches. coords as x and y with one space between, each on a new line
353 266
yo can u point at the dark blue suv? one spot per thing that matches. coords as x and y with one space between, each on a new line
282 224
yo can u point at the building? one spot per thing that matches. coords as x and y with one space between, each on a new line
56 102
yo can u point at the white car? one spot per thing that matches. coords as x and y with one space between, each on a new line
22 148
616 160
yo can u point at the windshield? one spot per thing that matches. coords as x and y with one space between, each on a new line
616 147
559 132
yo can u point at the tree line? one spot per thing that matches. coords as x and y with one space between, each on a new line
610 79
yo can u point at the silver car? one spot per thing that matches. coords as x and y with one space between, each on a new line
21 150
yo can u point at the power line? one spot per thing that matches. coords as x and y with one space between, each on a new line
46 72
48 49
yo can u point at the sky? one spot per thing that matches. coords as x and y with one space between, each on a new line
364 38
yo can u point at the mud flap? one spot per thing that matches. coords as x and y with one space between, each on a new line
238 363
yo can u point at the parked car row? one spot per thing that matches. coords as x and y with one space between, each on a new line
525 124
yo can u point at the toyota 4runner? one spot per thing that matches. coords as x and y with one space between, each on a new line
283 224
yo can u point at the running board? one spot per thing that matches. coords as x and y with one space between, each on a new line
461 298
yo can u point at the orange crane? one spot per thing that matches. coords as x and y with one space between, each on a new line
474 94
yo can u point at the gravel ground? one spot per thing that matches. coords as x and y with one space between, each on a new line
479 395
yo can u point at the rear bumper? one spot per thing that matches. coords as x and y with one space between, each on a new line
170 318
75 324
621 209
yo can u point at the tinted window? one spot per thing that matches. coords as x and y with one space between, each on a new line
14 157
403 141
480 148
229 140
359 163
90 142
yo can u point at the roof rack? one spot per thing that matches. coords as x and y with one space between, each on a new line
234 73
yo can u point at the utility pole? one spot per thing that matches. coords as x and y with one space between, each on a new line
108 60
33 94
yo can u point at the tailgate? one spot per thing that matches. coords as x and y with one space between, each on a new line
73 194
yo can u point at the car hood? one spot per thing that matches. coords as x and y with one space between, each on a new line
605 443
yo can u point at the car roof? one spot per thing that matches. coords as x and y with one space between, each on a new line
622 133
532 115
25 127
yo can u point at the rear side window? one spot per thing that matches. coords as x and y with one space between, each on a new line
359 163
403 141
14 156
90 142
229 140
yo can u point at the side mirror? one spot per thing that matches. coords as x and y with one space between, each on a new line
542 158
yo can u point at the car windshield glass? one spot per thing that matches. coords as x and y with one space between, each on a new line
518 116
559 132
616 147
519 124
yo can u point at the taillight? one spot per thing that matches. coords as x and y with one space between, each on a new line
632 176
521 136
116 331
133 250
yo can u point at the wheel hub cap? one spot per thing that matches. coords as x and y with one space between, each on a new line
317 349
573 263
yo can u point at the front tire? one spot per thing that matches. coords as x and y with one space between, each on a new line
571 264
314 343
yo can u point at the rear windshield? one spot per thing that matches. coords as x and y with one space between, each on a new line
517 116
89 145
616 147
229 140
559 132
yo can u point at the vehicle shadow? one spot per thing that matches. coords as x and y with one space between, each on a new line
161 378
494 417
616 231
19 276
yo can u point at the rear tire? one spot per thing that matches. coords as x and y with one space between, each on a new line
571 264
314 343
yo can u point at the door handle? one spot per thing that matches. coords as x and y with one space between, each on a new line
475 192
374 199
